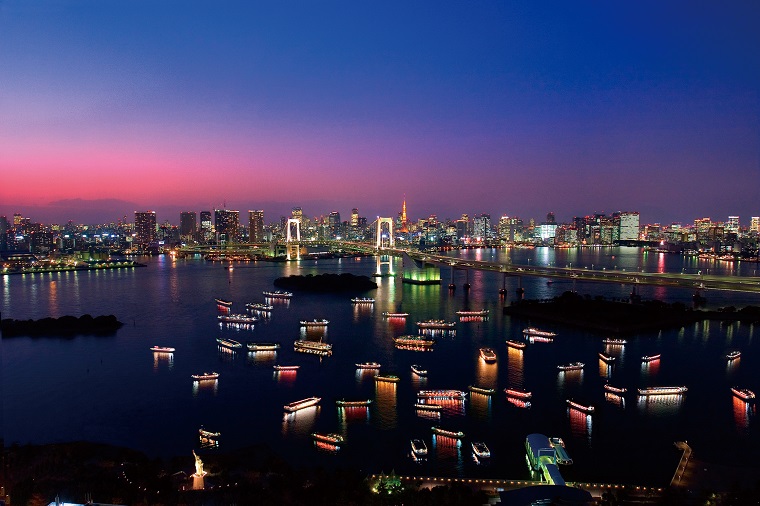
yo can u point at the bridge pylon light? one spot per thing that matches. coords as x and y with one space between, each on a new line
293 243
380 236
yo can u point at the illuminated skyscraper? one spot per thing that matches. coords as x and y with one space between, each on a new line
145 227
206 232
256 226
754 224
629 226
227 223
187 226
3 233
732 225
354 217
333 223
404 226
481 227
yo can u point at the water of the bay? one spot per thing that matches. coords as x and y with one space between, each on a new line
115 390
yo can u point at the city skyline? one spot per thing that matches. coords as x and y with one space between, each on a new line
513 109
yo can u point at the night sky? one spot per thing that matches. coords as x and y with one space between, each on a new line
504 107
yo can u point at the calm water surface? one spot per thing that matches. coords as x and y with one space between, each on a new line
115 390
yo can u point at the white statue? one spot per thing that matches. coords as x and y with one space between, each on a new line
198 465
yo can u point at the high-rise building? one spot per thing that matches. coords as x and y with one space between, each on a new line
629 226
187 226
354 217
206 232
145 227
3 233
256 226
481 227
333 224
227 223
754 224
732 225
404 218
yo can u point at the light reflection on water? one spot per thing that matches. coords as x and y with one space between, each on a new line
300 422
385 402
205 386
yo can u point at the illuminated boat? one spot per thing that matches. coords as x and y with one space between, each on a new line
650 358
482 312
351 404
573 366
488 355
436 324
662 391
207 433
229 343
540 339
534 332
314 323
556 441
237 318
304 403
206 376
441 394
362 300
313 347
580 407
419 447
368 365
162 349
480 449
418 370
614 342
222 302
448 433
277 294
278 367
263 346
520 403
332 438
479 390
744 394
615 390
518 393
389 378
516 344
606 358
388 314
263 308
412 340
428 407
733 355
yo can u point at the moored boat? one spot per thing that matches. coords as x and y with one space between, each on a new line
516 344
229 343
480 449
390 378
419 447
162 349
237 318
206 376
573 366
315 323
207 433
520 403
518 393
257 306
313 347
331 438
368 365
263 346
614 342
606 358
448 433
615 390
436 324
540 339
479 390
744 394
441 394
362 300
412 340
733 355
389 314
677 390
488 355
419 370
278 294
222 302
580 407
304 403
348 404
532 331
279 367
428 407
482 312
650 358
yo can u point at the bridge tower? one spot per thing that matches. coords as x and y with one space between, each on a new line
391 242
293 244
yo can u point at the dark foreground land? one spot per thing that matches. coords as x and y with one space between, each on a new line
67 326
622 317
345 282
35 475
